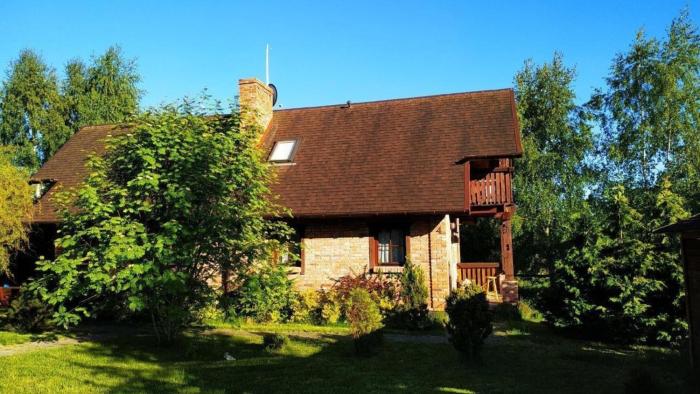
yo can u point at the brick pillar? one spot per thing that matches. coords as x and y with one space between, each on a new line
509 287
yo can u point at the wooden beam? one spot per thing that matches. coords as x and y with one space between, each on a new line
507 249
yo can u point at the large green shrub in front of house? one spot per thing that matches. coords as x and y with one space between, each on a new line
365 321
265 295
174 202
411 312
470 319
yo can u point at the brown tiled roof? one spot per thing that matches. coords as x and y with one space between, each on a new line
390 157
384 157
67 167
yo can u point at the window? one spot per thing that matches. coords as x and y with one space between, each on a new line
283 151
389 245
293 256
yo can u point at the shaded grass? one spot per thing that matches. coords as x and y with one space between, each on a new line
522 357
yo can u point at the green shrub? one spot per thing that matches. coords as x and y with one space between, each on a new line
274 341
330 308
412 312
304 305
265 296
365 321
27 313
383 289
528 313
470 319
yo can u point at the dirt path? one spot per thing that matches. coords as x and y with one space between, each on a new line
11 350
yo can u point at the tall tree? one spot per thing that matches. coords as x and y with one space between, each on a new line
175 202
31 119
549 186
15 208
650 112
106 91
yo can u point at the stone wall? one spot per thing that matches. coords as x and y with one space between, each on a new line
336 248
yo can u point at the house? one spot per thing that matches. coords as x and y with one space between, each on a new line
372 184
690 244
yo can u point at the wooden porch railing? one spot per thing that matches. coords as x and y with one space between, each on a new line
477 272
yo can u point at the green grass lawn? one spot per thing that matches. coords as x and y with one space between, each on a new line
526 358
13 338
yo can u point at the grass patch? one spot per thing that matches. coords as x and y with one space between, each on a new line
13 338
526 358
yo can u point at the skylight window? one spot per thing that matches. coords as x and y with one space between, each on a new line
283 151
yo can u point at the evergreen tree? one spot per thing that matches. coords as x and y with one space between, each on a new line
31 119
104 92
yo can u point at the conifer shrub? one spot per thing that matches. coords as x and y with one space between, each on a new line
470 320
365 321
412 310
274 341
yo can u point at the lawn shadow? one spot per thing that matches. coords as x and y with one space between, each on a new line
531 361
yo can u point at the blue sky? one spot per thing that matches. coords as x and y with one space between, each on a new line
327 52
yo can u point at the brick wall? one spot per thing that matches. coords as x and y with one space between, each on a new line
336 248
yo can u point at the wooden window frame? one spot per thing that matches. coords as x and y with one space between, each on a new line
374 243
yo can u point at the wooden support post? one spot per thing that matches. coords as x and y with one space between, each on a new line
509 287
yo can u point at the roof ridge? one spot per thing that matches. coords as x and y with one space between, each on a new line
395 99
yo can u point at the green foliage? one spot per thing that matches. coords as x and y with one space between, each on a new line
104 92
551 178
274 341
623 282
15 210
265 295
174 202
27 313
470 319
506 312
38 113
330 308
365 321
412 311
383 289
304 305
31 110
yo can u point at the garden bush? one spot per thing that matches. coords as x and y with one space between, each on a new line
365 321
412 311
265 295
27 313
470 319
274 341
507 312
304 306
329 309
383 289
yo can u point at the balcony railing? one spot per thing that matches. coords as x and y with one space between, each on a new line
490 186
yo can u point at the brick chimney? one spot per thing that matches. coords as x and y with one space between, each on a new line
255 99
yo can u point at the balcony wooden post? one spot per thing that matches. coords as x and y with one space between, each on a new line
509 287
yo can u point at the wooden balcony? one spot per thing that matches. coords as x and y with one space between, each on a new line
488 183
477 272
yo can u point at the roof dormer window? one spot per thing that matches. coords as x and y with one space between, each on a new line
283 151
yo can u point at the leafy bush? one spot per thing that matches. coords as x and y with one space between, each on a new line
470 319
265 295
383 289
304 306
274 341
27 313
329 310
365 321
